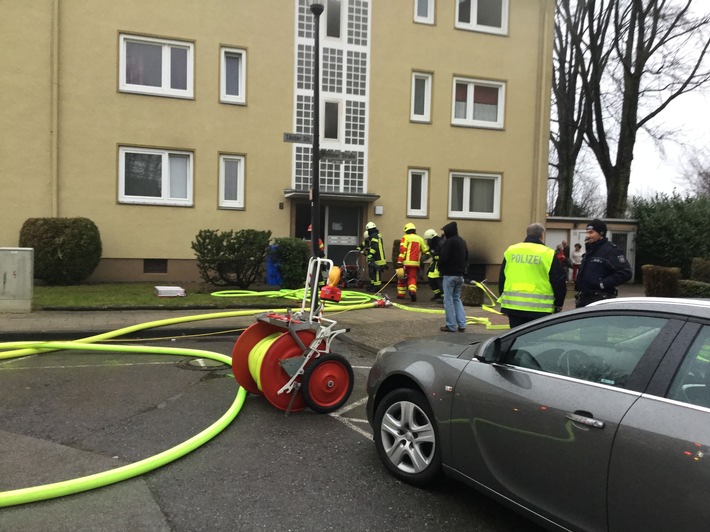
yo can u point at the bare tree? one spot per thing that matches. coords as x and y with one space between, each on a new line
570 109
639 56
696 174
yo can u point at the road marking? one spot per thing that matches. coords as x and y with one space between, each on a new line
91 366
357 429
349 422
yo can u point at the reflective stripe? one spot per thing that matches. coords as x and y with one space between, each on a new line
528 295
523 304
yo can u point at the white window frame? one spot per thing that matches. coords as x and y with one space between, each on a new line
342 20
429 19
341 120
165 198
468 177
164 89
473 25
468 120
241 98
423 211
225 203
426 116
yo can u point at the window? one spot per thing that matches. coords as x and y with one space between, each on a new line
155 265
154 177
331 121
156 66
421 97
478 103
603 349
490 16
233 76
692 382
474 196
333 19
424 11
231 181
417 192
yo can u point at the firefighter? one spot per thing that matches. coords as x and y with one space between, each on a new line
365 244
321 247
375 257
412 249
434 242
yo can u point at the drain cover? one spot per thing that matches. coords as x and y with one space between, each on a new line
201 364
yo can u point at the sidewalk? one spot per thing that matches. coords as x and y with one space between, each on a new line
371 329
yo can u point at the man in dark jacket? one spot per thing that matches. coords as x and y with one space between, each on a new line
603 268
532 281
453 258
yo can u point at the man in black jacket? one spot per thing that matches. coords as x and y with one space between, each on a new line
603 268
453 258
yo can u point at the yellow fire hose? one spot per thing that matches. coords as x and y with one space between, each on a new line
350 301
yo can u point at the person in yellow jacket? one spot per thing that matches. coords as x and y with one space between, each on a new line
412 249
532 282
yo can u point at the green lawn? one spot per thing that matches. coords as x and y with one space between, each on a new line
142 295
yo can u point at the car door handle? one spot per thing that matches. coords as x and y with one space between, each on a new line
585 419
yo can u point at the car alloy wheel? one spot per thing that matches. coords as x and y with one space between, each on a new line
407 438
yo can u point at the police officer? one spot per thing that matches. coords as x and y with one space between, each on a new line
532 282
603 268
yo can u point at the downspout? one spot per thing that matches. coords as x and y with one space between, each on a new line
54 111
542 118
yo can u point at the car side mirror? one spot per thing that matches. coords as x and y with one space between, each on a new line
490 351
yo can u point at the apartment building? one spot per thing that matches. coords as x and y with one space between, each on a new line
158 119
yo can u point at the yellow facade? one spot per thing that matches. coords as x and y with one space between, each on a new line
65 118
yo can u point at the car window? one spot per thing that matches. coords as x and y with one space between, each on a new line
692 381
603 349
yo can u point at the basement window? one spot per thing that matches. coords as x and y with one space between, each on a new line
155 265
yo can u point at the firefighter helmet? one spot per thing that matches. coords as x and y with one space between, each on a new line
409 227
366 234
370 225
429 234
400 273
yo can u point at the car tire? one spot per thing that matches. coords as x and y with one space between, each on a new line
407 438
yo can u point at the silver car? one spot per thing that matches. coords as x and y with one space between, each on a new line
593 419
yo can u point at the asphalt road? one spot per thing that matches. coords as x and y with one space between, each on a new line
69 414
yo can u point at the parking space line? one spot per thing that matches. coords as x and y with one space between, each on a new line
8 368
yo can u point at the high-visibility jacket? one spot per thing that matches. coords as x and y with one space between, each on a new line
527 278
411 249
375 251
434 247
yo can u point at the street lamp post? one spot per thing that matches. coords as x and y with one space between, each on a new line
317 10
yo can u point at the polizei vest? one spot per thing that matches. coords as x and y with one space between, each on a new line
527 278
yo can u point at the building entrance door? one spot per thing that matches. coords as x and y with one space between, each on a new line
342 231
340 228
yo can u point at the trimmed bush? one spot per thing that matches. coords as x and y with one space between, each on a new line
688 288
660 281
291 258
231 259
700 270
672 230
66 250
